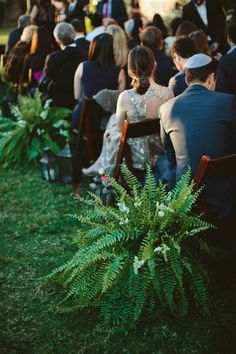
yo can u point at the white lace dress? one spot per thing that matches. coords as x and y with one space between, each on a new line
144 150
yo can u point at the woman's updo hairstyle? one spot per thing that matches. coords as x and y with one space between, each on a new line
141 63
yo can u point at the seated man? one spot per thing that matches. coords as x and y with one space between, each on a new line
199 122
151 37
182 49
62 64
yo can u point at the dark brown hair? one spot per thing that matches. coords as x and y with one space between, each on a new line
185 28
200 39
185 47
151 37
201 74
141 63
101 50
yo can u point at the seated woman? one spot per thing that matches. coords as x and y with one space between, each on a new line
41 46
97 73
13 70
141 102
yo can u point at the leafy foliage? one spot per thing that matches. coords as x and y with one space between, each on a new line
137 257
36 126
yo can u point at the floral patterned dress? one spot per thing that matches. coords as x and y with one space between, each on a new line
145 149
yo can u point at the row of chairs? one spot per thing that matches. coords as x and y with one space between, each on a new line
207 167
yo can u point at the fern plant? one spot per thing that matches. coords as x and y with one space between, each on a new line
137 256
36 126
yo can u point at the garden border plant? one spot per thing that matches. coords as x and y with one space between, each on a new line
140 256
36 126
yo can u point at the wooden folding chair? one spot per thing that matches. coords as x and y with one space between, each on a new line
137 129
222 166
89 131
214 167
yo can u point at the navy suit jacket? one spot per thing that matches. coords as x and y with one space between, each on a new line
118 10
226 64
165 67
198 122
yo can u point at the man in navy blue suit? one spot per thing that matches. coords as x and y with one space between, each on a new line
151 37
114 9
199 122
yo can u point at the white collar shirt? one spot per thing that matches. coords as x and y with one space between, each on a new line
202 10
105 11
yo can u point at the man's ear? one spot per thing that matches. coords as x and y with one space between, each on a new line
186 80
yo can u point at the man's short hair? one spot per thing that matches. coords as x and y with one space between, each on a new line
77 25
201 74
185 47
64 33
151 37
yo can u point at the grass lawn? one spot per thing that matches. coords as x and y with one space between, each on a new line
36 235
4 32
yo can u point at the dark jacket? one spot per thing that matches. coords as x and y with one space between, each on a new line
165 67
215 16
61 66
118 11
13 38
198 122
226 64
83 46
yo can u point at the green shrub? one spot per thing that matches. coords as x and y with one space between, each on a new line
139 257
36 127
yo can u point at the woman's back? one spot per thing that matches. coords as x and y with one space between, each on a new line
94 79
146 106
138 107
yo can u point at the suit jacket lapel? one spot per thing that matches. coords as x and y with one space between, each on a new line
194 9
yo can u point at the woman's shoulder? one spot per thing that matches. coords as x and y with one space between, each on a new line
163 92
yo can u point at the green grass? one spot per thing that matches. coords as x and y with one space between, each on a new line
4 32
36 235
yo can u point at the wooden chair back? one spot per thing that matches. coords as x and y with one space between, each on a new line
90 114
214 167
137 129
222 166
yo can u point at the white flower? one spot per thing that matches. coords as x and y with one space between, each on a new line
163 249
101 171
137 264
162 207
158 249
63 132
124 221
161 213
21 123
123 207
47 104
44 114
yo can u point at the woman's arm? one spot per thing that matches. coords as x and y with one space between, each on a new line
121 110
77 82
122 80
34 12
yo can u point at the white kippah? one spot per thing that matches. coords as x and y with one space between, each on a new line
129 26
197 61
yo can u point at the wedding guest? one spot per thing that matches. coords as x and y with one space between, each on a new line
141 102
